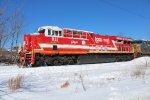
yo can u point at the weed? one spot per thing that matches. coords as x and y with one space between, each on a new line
15 83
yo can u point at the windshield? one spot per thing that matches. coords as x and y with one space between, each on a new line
41 31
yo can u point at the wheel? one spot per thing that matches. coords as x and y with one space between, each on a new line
71 62
65 61
118 59
56 62
76 61
48 61
39 62
36 64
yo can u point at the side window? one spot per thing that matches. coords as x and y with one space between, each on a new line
60 33
81 33
69 32
49 32
53 32
56 33
91 35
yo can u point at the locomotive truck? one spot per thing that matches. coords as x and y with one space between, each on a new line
52 45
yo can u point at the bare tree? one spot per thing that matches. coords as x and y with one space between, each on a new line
3 23
16 27
11 26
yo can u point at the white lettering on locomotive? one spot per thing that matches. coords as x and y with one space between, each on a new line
74 42
97 40
55 39
106 40
83 42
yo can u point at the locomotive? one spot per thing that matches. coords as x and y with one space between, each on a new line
52 45
142 47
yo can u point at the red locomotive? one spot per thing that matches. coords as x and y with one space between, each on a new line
52 45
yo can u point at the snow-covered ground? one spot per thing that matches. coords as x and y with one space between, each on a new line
106 81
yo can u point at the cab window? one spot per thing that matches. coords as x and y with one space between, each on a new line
41 31
49 32
56 33
60 33
53 32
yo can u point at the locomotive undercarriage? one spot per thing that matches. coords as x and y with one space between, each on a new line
56 60
104 58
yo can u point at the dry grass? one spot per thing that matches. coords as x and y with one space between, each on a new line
145 63
65 84
142 69
110 78
82 82
15 83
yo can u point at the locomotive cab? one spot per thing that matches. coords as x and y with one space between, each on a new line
51 31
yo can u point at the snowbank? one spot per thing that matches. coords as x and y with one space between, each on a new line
106 81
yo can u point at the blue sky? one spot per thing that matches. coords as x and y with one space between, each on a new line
111 17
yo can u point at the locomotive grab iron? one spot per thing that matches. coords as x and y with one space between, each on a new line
52 45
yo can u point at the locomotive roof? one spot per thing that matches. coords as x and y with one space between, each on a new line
60 29
141 40
50 27
78 30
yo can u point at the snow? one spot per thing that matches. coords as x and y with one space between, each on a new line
103 81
